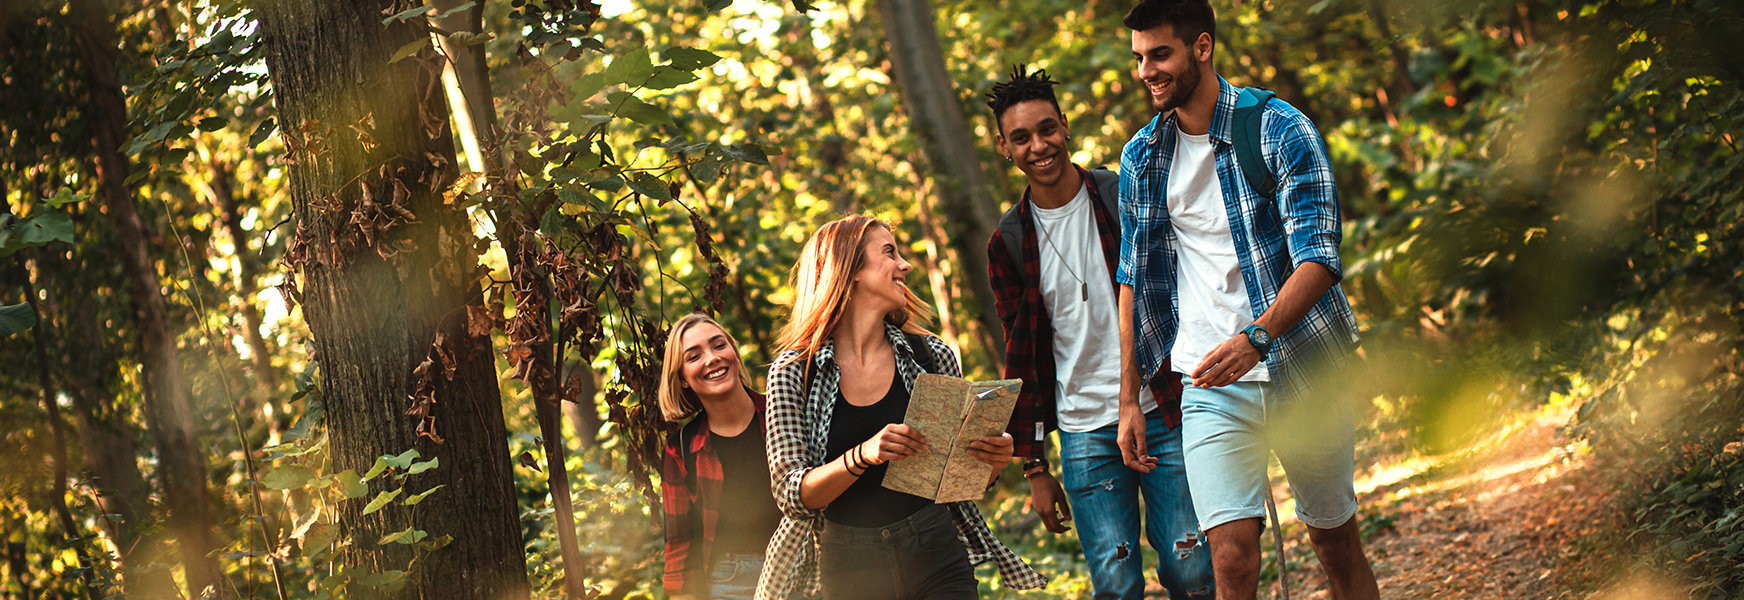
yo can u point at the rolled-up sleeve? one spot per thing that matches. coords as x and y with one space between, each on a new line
1123 273
788 454
1307 193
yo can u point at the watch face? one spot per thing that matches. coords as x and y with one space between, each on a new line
1259 336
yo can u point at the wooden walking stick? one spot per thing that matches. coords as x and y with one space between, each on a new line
1283 590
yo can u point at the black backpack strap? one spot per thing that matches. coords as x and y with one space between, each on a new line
1011 232
1248 109
923 352
1108 185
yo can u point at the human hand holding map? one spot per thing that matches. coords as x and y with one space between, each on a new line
952 412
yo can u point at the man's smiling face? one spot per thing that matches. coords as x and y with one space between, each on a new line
1167 66
1034 138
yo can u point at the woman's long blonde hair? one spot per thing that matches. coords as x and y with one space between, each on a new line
677 401
822 279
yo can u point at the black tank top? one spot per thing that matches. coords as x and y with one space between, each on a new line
867 503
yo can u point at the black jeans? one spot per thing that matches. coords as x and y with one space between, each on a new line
917 558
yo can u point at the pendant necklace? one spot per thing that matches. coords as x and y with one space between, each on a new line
1083 286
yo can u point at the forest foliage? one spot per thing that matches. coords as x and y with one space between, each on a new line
1541 201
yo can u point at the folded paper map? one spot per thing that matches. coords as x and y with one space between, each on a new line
951 413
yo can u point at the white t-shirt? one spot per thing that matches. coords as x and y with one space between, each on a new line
1213 304
1086 331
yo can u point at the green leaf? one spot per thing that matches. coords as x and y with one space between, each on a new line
447 13
407 14
750 153
666 78
350 484
424 466
707 170
409 536
135 177
404 460
436 543
158 133
716 5
409 49
212 123
690 59
588 85
261 132
39 229
381 464
288 477
383 578
16 318
319 536
415 499
634 67
65 196
650 186
634 109
381 500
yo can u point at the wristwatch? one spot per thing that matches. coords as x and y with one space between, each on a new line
1259 337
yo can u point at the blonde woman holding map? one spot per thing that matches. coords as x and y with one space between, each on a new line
838 392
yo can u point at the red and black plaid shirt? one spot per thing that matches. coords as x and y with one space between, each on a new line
690 495
1029 333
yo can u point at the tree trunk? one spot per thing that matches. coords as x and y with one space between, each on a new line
963 190
88 372
169 418
388 273
532 282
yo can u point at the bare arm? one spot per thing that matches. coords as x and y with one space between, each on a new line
1131 436
824 484
1235 357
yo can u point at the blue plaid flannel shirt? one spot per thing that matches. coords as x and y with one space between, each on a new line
1268 251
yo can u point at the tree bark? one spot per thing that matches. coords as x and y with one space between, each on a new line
386 292
168 415
963 190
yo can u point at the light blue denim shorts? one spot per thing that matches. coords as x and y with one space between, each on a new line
1227 432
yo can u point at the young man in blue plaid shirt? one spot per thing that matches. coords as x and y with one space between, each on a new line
1052 264
1235 292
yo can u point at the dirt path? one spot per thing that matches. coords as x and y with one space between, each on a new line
1499 520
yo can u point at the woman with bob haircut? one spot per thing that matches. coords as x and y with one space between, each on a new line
714 479
837 396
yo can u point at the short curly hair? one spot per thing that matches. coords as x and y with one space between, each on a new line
1021 87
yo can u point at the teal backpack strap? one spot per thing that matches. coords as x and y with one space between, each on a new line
1248 108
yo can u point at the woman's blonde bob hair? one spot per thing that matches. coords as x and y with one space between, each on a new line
676 400
822 280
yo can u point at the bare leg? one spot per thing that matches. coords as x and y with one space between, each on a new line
1341 557
1235 558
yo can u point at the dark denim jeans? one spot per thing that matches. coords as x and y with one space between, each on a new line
1105 497
916 558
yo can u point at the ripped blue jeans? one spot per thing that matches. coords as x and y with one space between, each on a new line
1105 496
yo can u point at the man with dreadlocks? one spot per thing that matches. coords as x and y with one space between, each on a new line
1052 264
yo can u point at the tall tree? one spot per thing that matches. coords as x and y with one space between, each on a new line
183 468
964 192
388 282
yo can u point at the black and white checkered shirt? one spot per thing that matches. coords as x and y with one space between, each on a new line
798 425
